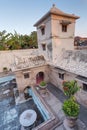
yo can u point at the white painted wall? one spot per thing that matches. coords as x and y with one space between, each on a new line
46 38
57 28
62 40
53 34
60 45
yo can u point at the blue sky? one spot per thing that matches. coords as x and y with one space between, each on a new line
20 15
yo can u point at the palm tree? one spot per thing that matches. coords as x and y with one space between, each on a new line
33 37
3 39
13 42
9 41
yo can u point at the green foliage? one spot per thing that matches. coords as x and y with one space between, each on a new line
70 87
33 37
2 47
71 108
9 41
42 83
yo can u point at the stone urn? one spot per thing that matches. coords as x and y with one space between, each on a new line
70 122
43 85
71 110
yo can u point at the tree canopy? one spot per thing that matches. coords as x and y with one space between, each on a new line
9 41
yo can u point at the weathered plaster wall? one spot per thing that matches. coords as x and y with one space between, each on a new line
62 40
59 45
45 39
57 27
10 58
22 82
73 61
54 76
54 79
47 26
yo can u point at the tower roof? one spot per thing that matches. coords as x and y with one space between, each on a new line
55 11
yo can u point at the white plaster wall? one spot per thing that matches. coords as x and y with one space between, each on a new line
73 61
61 40
57 30
60 45
57 27
69 76
47 24
81 94
53 34
46 53
7 58
54 77
46 38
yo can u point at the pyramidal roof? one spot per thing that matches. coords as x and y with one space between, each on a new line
55 11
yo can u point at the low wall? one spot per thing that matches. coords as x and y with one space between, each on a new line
9 58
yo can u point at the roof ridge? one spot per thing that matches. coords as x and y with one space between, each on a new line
55 9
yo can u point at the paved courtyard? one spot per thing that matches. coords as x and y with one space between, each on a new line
10 112
82 121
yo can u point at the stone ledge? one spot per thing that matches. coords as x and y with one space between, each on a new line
47 125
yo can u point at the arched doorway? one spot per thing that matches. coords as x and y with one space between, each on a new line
39 77
26 92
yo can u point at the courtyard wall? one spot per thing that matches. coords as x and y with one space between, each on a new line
10 58
22 82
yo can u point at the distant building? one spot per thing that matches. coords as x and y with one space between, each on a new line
80 43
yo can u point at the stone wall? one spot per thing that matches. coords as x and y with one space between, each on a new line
54 76
54 79
10 58
73 61
45 39
31 81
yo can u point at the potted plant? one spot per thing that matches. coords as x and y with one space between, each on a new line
71 110
43 84
70 106
70 88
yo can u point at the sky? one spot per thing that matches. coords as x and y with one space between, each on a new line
21 15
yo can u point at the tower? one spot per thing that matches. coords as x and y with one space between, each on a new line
55 31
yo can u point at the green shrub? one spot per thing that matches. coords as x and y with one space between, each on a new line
70 87
42 83
71 108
